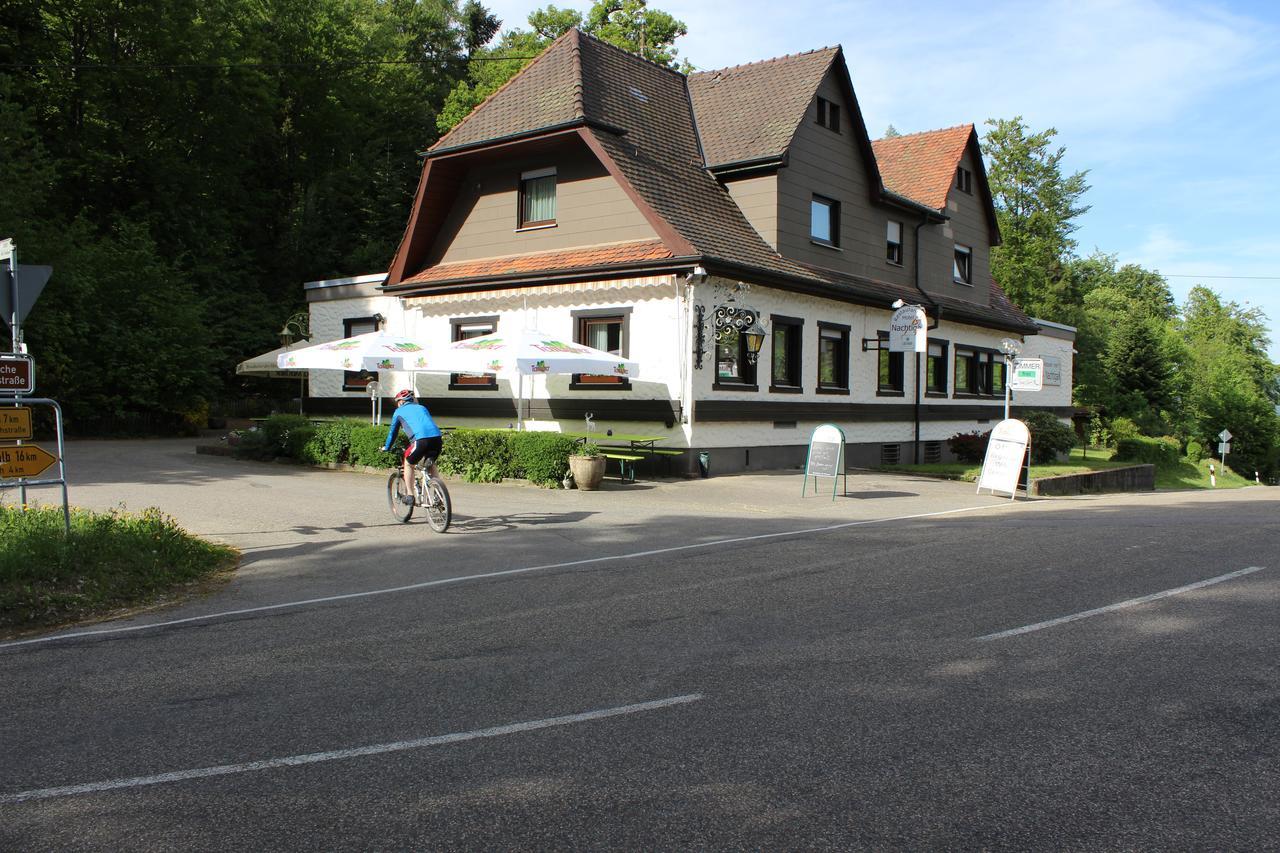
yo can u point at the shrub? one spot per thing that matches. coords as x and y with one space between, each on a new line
969 446
1195 450
286 435
331 441
1162 452
542 457
365 447
477 455
1050 437
1122 428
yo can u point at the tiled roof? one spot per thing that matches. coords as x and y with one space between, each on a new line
597 256
750 112
922 166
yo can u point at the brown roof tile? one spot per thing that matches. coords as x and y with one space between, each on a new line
749 112
922 166
597 256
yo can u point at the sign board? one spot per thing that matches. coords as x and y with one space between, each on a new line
17 374
1052 370
1225 435
25 460
31 281
1224 447
907 330
15 424
1005 453
1027 375
826 456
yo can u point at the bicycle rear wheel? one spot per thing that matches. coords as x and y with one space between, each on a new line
401 511
439 507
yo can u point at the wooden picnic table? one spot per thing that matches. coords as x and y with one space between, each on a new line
636 448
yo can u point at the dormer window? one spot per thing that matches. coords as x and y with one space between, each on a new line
829 115
538 198
963 272
964 180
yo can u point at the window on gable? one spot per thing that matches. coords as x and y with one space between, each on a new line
473 327
893 243
889 368
786 353
964 180
833 358
358 380
963 273
824 221
828 114
602 331
538 198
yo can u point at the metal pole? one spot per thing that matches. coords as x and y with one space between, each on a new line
1006 387
917 384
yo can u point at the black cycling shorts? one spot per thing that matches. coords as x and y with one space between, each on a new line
423 448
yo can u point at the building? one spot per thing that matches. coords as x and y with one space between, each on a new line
614 202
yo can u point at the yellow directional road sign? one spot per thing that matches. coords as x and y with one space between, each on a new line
26 460
15 423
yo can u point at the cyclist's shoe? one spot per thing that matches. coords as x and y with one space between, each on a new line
406 499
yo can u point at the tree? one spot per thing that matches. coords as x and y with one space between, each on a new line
628 24
1036 206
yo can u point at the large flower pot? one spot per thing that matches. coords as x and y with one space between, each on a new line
588 471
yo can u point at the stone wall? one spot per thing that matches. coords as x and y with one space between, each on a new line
1135 478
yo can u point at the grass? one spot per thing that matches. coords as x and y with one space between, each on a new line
110 560
1185 475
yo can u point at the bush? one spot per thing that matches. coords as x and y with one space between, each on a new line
542 457
1162 452
366 447
286 435
969 446
331 441
1195 451
477 455
1050 437
1121 429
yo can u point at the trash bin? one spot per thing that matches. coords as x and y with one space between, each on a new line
704 463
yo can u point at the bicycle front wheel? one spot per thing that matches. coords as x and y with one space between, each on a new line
400 510
439 507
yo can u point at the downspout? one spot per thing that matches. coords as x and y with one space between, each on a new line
937 319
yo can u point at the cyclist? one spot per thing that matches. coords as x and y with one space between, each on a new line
424 438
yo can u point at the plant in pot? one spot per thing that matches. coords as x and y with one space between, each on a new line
587 466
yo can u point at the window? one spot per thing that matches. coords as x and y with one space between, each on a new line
538 198
978 372
964 265
893 243
936 368
358 380
824 221
786 353
463 330
889 368
733 368
964 180
833 358
829 114
605 331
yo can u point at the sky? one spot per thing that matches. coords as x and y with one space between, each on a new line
1173 108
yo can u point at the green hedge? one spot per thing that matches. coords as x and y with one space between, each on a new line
475 455
1162 452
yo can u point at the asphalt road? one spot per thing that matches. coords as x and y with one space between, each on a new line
711 664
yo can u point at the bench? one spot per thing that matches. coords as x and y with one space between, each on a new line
625 472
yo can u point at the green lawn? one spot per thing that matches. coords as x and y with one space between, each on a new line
1186 475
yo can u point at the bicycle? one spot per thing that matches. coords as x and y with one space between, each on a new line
429 493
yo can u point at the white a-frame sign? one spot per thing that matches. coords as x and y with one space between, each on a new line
1006 451
826 458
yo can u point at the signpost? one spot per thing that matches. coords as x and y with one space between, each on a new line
1006 452
1224 446
1027 375
17 374
825 458
24 460
15 424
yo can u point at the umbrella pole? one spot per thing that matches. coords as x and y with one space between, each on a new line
520 405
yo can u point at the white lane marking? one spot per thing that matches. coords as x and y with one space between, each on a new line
485 576
339 754
1132 602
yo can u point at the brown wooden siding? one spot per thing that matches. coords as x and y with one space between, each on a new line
758 199
968 225
591 209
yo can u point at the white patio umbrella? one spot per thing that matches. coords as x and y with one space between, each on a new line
531 352
370 351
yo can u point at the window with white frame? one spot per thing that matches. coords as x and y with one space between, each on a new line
538 198
963 272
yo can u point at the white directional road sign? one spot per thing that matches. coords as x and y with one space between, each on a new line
1225 435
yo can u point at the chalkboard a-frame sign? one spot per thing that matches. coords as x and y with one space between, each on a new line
825 458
